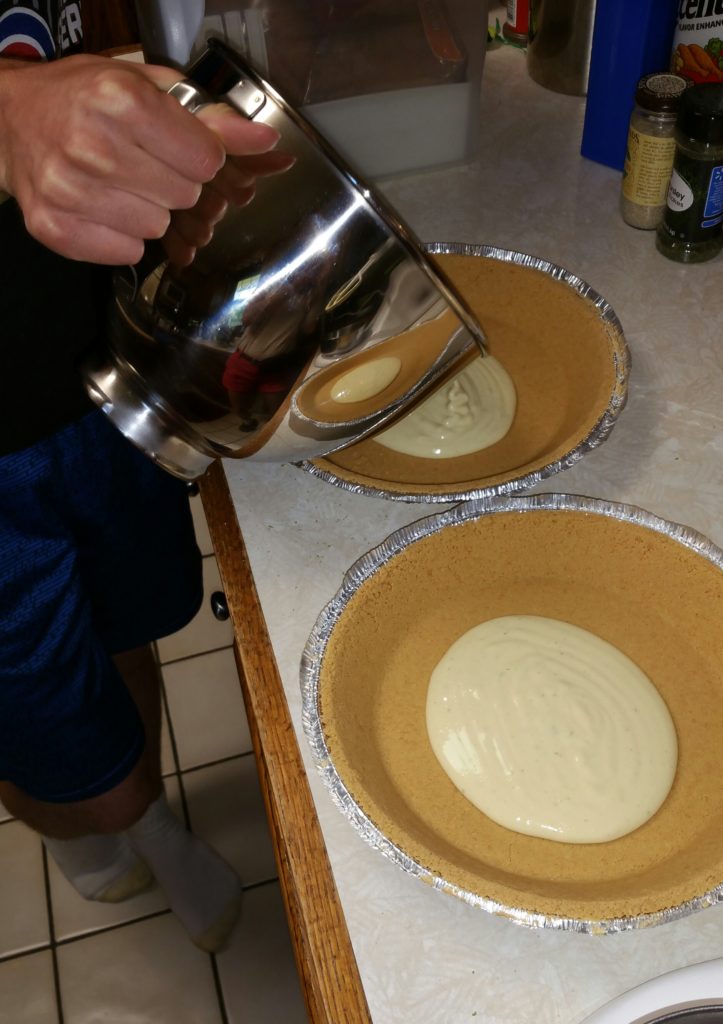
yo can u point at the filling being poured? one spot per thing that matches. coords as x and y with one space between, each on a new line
472 411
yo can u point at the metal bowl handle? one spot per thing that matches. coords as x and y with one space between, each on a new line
244 96
189 95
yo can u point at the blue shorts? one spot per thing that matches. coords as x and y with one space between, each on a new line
97 556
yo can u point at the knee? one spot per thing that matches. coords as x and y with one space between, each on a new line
114 811
121 807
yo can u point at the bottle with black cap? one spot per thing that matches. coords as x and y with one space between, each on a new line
692 227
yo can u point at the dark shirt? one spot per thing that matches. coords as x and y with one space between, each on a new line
52 310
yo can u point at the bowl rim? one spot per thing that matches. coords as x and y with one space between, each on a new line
312 660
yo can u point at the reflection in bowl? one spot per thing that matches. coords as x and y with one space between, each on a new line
425 346
651 588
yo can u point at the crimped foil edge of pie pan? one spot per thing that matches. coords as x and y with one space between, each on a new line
313 658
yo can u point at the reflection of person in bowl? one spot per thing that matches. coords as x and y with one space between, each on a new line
255 389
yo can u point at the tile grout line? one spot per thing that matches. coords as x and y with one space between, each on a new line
167 711
219 989
174 746
218 985
22 953
212 764
103 929
274 880
180 772
69 940
51 930
197 654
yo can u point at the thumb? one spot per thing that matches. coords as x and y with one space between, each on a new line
238 135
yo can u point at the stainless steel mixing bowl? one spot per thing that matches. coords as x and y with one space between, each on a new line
237 355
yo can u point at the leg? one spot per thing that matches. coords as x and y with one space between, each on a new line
109 562
85 837
202 889
107 846
142 677
123 805
106 814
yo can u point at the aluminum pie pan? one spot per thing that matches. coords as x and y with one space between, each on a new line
363 571
621 363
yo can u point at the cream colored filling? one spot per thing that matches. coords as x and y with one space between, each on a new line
366 380
472 411
551 731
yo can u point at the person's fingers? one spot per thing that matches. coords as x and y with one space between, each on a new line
193 232
239 174
210 207
196 226
265 163
239 136
179 251
180 141
195 146
61 219
114 165
89 242
156 122
116 208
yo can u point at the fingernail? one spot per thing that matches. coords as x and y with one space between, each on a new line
265 134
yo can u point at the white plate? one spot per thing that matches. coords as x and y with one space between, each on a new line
695 986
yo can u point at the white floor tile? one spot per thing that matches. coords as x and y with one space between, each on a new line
23 908
203 537
27 990
72 915
142 972
257 971
204 633
207 709
226 809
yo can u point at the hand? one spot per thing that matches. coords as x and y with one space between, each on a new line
97 155
234 184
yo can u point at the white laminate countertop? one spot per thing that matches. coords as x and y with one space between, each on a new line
424 956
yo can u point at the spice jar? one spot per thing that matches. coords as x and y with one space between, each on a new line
517 27
650 149
690 230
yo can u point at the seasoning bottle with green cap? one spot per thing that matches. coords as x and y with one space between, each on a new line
691 229
650 149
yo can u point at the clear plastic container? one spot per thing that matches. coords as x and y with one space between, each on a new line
395 87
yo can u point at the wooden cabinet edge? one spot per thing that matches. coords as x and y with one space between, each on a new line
322 947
